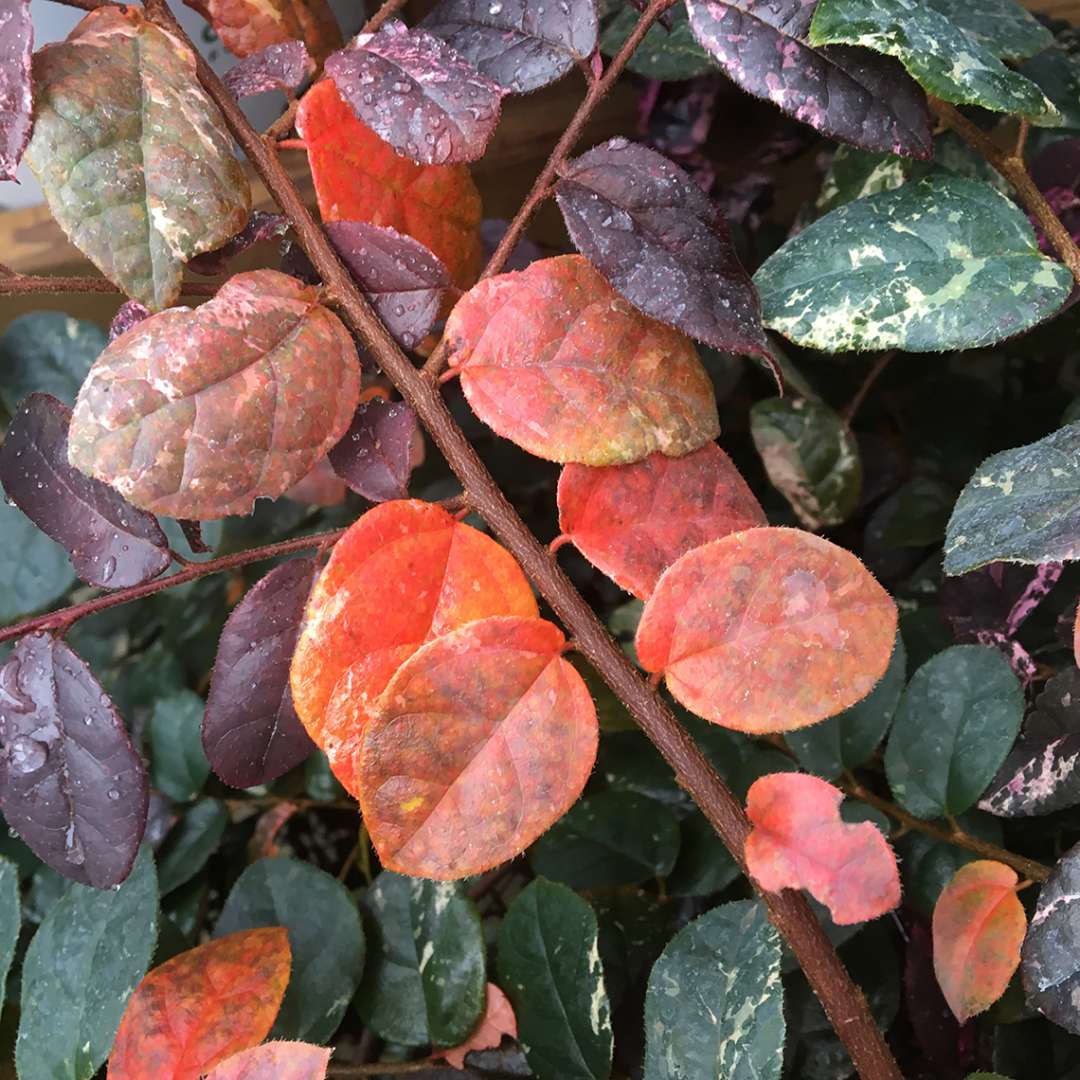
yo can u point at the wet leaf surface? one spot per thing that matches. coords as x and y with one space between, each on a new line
16 83
375 455
282 66
246 26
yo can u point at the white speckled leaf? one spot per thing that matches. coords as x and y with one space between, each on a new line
714 1006
1002 26
945 263
942 58
1021 505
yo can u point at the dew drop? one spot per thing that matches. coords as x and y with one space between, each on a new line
27 755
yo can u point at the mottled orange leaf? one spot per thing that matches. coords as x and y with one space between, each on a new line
498 1020
405 573
481 741
359 177
200 1007
275 1061
799 841
196 413
634 521
555 360
768 630
979 925
245 26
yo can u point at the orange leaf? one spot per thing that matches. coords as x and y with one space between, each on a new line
768 630
634 521
275 1061
245 26
498 1020
405 573
359 177
200 1007
483 739
979 925
554 359
799 841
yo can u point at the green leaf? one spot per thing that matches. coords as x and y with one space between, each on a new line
956 721
82 966
178 765
610 838
10 919
34 570
1001 26
319 781
667 55
919 512
193 839
811 458
46 351
1021 505
704 865
714 1007
627 761
549 967
848 740
943 263
424 978
853 174
325 935
937 53
634 926
1056 71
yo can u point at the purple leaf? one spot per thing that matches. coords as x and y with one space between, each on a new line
111 543
283 66
418 94
131 313
250 731
16 85
261 226
644 224
520 44
375 456
525 252
71 784
846 93
402 279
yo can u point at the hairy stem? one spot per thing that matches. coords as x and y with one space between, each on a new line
15 284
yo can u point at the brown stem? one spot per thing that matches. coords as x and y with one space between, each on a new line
283 124
859 397
15 283
388 9
842 1000
386 1068
1012 167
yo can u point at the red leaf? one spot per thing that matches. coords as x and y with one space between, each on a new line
405 573
768 630
358 177
555 360
246 26
202 1006
16 84
498 1020
375 455
799 841
634 521
283 66
275 1061
979 925
481 740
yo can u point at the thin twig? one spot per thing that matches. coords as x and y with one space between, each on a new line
387 10
15 284
859 397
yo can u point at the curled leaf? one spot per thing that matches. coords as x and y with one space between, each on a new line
129 313
246 26
279 1060
282 66
16 84
498 1020
196 414
374 456
261 226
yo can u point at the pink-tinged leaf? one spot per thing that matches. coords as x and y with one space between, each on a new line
418 94
250 730
799 841
110 542
16 84
375 455
660 241
275 1061
321 487
483 739
768 630
246 26
1076 637
403 281
196 413
634 521
129 313
979 926
260 227
71 784
555 360
498 1020
282 66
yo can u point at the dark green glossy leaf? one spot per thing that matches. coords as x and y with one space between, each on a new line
34 570
9 918
1056 71
634 928
919 513
178 765
49 352
1001 26
667 54
853 174
319 781
193 839
627 761
704 865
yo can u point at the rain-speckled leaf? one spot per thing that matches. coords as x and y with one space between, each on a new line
944 263
250 731
325 936
518 44
416 92
283 66
178 765
374 456
134 158
424 976
49 352
110 542
1002 26
811 458
196 413
953 727
714 1006
847 94
549 966
71 783
1021 505
34 570
82 966
245 26
661 242
16 83
667 54
943 59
